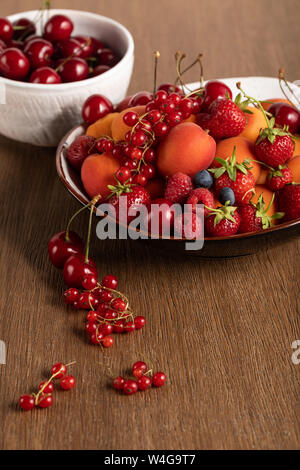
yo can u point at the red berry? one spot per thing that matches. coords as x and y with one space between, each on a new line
160 129
58 27
169 88
26 402
140 99
110 314
212 91
60 369
106 296
139 322
107 57
129 327
45 76
119 326
130 118
123 174
96 337
275 153
73 70
96 107
87 46
14 64
6 33
48 389
148 171
69 47
154 116
289 201
286 115
39 52
118 383
144 383
277 179
91 327
59 249
130 387
107 342
188 225
149 155
158 379
139 368
68 382
160 217
28 28
92 316
76 268
178 188
45 401
119 304
80 149
161 96
140 179
87 300
89 282
110 281
99 70
201 196
71 295
219 225
138 138
106 329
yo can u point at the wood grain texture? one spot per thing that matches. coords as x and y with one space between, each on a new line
221 330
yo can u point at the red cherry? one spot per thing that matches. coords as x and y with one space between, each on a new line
27 402
99 70
107 57
158 379
140 99
14 64
28 28
6 31
87 46
286 115
144 383
73 70
45 76
69 47
96 107
76 268
60 250
39 52
68 382
139 322
45 401
169 88
139 368
2 46
130 387
71 295
110 281
118 383
212 91
48 389
58 27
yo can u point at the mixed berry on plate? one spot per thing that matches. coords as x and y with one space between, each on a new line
55 56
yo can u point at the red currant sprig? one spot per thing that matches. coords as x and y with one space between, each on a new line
43 398
144 379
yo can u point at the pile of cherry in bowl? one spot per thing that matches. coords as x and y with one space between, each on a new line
52 57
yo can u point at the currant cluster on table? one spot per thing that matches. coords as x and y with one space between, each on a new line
52 57
44 397
143 379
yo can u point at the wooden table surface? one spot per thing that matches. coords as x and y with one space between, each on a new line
221 330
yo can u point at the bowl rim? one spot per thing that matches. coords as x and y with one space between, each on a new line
66 86
78 196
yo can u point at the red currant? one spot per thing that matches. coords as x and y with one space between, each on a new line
161 97
91 327
60 369
154 116
107 342
148 171
96 337
45 401
71 295
140 179
89 282
139 368
106 296
123 174
110 314
118 304
48 389
68 382
149 155
160 129
110 281
92 316
169 88
86 300
26 402
139 322
130 118
118 383
138 138
130 387
119 326
175 98
106 329
144 383
158 379
129 327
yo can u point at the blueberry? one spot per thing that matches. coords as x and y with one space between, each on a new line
226 194
203 179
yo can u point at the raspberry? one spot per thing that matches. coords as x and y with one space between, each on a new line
178 188
201 196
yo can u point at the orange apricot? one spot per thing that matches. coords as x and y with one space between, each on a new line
244 149
263 176
97 172
255 122
267 196
297 146
267 104
102 126
156 188
294 166
119 128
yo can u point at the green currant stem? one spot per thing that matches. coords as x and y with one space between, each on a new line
255 102
40 392
92 206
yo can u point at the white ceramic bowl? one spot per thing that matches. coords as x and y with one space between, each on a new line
42 114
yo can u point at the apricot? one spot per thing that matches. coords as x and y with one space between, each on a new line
255 122
263 176
156 188
186 149
244 149
119 128
294 166
102 126
297 146
270 101
267 196
97 172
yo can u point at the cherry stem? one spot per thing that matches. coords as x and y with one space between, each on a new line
283 79
67 236
87 43
256 102
92 207
156 57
